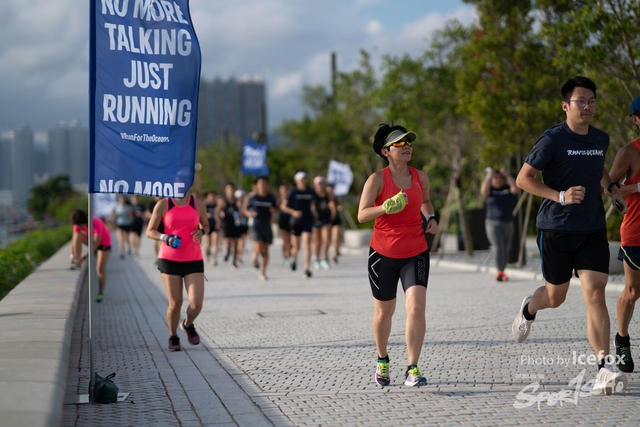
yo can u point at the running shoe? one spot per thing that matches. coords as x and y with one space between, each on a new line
99 297
335 260
382 373
325 264
316 265
521 327
504 277
307 274
263 277
413 377
610 380
226 256
293 266
624 361
174 343
194 338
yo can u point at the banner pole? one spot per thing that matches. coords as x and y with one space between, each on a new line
91 267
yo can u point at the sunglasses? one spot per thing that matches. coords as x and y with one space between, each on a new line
398 144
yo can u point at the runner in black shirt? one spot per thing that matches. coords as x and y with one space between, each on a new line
261 206
571 222
300 204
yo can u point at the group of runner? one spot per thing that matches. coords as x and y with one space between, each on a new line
308 219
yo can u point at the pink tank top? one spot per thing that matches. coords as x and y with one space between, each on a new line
400 235
181 221
98 229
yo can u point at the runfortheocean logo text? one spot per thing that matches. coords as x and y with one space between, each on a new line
147 188
585 152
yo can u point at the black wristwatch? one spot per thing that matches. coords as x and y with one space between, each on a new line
610 186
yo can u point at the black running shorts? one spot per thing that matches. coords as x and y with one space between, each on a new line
262 233
562 253
179 268
630 255
384 273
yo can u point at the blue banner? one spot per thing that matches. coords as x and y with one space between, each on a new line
144 80
254 158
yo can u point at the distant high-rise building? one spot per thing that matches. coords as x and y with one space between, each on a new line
59 149
6 180
69 151
231 109
22 156
78 153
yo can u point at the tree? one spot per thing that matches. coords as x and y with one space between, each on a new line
46 195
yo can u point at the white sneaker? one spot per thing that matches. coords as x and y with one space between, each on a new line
325 264
286 261
610 380
521 327
316 265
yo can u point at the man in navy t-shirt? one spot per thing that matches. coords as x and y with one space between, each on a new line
300 204
571 222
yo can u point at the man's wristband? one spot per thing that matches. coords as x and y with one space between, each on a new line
561 198
162 237
430 217
610 186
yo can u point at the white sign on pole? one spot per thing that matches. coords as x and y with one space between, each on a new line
340 176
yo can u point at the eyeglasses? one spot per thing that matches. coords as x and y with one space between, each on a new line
582 102
398 144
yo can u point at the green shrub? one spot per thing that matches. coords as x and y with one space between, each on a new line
21 256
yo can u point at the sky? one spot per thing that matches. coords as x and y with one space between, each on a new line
44 48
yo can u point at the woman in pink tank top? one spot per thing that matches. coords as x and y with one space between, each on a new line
180 260
397 198
101 241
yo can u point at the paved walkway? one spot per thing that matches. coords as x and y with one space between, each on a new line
296 352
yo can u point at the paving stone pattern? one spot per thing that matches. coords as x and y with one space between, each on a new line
292 351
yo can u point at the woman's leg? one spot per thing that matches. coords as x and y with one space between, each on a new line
101 269
194 283
173 288
415 303
326 238
382 315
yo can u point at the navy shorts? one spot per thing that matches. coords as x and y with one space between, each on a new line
299 226
562 253
630 255
385 272
262 233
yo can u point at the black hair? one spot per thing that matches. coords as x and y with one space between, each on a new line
579 81
266 178
381 135
79 217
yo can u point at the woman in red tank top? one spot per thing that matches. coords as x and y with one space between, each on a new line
397 198
180 260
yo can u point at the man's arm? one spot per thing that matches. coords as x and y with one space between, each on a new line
527 181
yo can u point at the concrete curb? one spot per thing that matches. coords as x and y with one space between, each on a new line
35 342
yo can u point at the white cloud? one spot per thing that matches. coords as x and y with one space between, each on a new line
374 27
286 84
